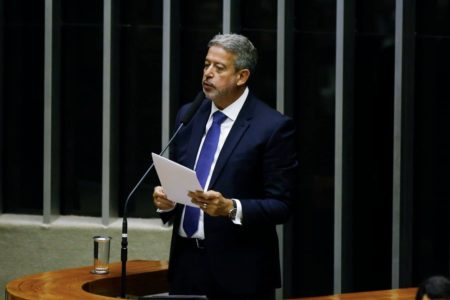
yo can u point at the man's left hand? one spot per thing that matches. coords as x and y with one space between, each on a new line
212 202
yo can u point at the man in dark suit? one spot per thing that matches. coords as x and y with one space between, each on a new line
232 250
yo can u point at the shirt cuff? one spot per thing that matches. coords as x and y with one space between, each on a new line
238 219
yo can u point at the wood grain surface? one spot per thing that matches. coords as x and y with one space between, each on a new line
143 278
399 294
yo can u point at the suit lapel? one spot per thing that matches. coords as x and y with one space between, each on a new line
240 126
198 130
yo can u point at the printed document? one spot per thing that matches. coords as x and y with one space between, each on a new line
176 180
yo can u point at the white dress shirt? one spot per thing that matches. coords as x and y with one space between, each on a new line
231 111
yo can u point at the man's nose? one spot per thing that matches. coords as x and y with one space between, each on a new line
208 72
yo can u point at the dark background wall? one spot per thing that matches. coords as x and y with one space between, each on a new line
309 244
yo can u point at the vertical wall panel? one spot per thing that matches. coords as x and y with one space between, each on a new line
313 109
110 119
285 55
230 16
169 31
431 193
171 66
199 21
403 145
2 97
48 182
81 106
343 178
284 105
258 22
21 105
143 108
373 142
51 115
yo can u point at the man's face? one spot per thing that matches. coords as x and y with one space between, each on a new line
220 78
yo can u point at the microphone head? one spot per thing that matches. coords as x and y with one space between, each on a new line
193 108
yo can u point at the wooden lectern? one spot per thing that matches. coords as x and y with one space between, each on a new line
143 278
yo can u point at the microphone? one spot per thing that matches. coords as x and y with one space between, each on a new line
124 250
193 108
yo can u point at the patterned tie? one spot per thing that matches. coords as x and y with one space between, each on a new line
205 159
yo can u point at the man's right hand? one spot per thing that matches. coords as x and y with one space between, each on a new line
160 199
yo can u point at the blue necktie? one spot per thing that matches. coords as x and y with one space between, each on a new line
204 162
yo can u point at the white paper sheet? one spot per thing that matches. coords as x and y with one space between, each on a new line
176 180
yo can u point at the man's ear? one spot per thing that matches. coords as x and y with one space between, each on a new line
243 76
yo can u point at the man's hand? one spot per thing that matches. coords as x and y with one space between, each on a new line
160 199
212 202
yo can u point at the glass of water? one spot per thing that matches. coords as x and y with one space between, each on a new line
101 254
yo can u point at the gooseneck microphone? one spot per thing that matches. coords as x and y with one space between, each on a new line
124 250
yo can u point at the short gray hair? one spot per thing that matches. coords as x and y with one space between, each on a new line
246 54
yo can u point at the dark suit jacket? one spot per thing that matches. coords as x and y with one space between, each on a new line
256 165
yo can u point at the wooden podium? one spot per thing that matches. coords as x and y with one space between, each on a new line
143 278
397 294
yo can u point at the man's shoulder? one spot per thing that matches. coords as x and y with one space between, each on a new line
185 107
263 110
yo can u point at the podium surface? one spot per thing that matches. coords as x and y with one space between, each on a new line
143 278
396 294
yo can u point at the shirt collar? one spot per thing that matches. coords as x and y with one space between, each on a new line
232 110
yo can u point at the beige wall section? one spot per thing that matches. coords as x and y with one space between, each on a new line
27 246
